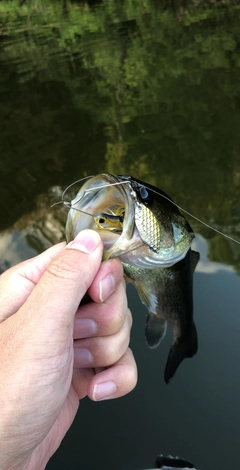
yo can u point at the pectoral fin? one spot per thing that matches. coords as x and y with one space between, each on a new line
155 326
155 330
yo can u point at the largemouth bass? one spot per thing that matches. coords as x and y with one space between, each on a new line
141 225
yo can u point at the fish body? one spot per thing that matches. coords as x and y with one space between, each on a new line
141 225
167 294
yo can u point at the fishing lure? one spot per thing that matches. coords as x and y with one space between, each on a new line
114 220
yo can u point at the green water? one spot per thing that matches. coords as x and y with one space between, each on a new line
150 89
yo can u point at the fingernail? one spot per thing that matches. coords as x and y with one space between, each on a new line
104 391
86 241
86 327
106 287
82 357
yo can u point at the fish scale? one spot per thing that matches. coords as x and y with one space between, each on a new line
148 229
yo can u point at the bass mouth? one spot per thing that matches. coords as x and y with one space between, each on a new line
104 205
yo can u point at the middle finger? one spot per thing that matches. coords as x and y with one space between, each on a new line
102 319
102 351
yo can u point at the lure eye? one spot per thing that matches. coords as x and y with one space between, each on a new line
125 177
145 195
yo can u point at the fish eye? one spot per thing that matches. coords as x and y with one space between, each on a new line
146 196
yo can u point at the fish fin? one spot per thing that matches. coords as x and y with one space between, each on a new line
184 347
155 330
195 257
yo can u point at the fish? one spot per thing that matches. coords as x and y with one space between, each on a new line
173 463
143 227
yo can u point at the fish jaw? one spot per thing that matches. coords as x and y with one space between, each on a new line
90 201
142 256
95 197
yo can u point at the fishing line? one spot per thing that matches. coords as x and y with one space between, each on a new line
86 191
75 182
66 203
198 220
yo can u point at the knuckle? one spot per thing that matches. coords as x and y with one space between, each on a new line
133 377
111 319
62 268
132 371
108 354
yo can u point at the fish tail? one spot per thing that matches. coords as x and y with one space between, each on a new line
184 347
155 330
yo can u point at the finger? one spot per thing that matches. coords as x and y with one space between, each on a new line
81 379
103 351
68 277
107 279
115 381
17 283
102 319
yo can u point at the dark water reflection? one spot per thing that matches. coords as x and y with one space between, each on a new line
150 90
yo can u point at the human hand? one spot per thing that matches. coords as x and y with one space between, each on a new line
43 372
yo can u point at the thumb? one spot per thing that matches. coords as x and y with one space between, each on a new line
66 280
46 318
